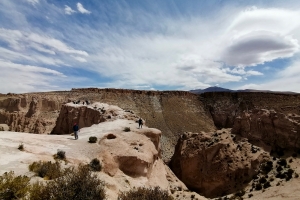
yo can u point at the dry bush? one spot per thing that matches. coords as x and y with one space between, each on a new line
21 147
61 155
126 129
145 194
74 184
12 187
46 170
92 139
95 165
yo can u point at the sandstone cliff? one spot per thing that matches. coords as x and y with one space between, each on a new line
264 118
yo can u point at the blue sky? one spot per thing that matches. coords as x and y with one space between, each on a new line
48 45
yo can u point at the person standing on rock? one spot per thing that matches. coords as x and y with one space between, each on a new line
76 129
140 123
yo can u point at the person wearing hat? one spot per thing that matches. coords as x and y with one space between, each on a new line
76 129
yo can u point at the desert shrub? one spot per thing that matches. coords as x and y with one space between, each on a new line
92 139
262 180
47 170
21 147
267 184
145 194
61 155
126 129
296 175
258 187
95 165
12 187
77 183
266 167
282 162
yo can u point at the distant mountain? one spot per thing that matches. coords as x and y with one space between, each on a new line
211 89
219 89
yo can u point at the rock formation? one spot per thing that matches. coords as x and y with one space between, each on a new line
273 128
216 163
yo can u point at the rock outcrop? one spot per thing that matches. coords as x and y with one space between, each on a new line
273 128
217 163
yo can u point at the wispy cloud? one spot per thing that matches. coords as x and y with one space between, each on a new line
81 9
144 46
69 10
33 2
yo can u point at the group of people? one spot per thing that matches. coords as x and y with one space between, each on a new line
76 128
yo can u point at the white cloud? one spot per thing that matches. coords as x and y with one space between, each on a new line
81 9
285 80
80 59
257 36
69 10
24 44
33 2
26 78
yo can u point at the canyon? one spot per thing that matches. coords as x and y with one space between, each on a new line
225 135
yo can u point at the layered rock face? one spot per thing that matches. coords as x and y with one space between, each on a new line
273 128
84 116
33 114
216 163
266 118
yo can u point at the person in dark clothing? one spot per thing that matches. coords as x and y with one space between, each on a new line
76 130
140 123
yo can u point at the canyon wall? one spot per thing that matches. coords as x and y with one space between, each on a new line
269 119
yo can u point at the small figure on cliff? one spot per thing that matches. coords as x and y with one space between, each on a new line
140 123
76 130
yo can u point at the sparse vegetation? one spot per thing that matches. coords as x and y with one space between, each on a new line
46 170
126 129
12 187
74 184
93 139
61 155
95 165
145 194
21 147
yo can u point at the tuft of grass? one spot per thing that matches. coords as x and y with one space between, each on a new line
46 170
126 129
145 194
21 147
95 165
13 187
93 139
76 183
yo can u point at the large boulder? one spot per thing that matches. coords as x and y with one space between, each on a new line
215 163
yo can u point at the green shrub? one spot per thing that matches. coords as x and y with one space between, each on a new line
95 165
145 194
92 139
21 147
126 129
61 155
46 170
12 187
77 183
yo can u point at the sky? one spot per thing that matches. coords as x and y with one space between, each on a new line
50 45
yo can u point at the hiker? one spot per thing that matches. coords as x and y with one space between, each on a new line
76 129
140 123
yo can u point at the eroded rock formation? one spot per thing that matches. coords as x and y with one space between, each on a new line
273 128
216 163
